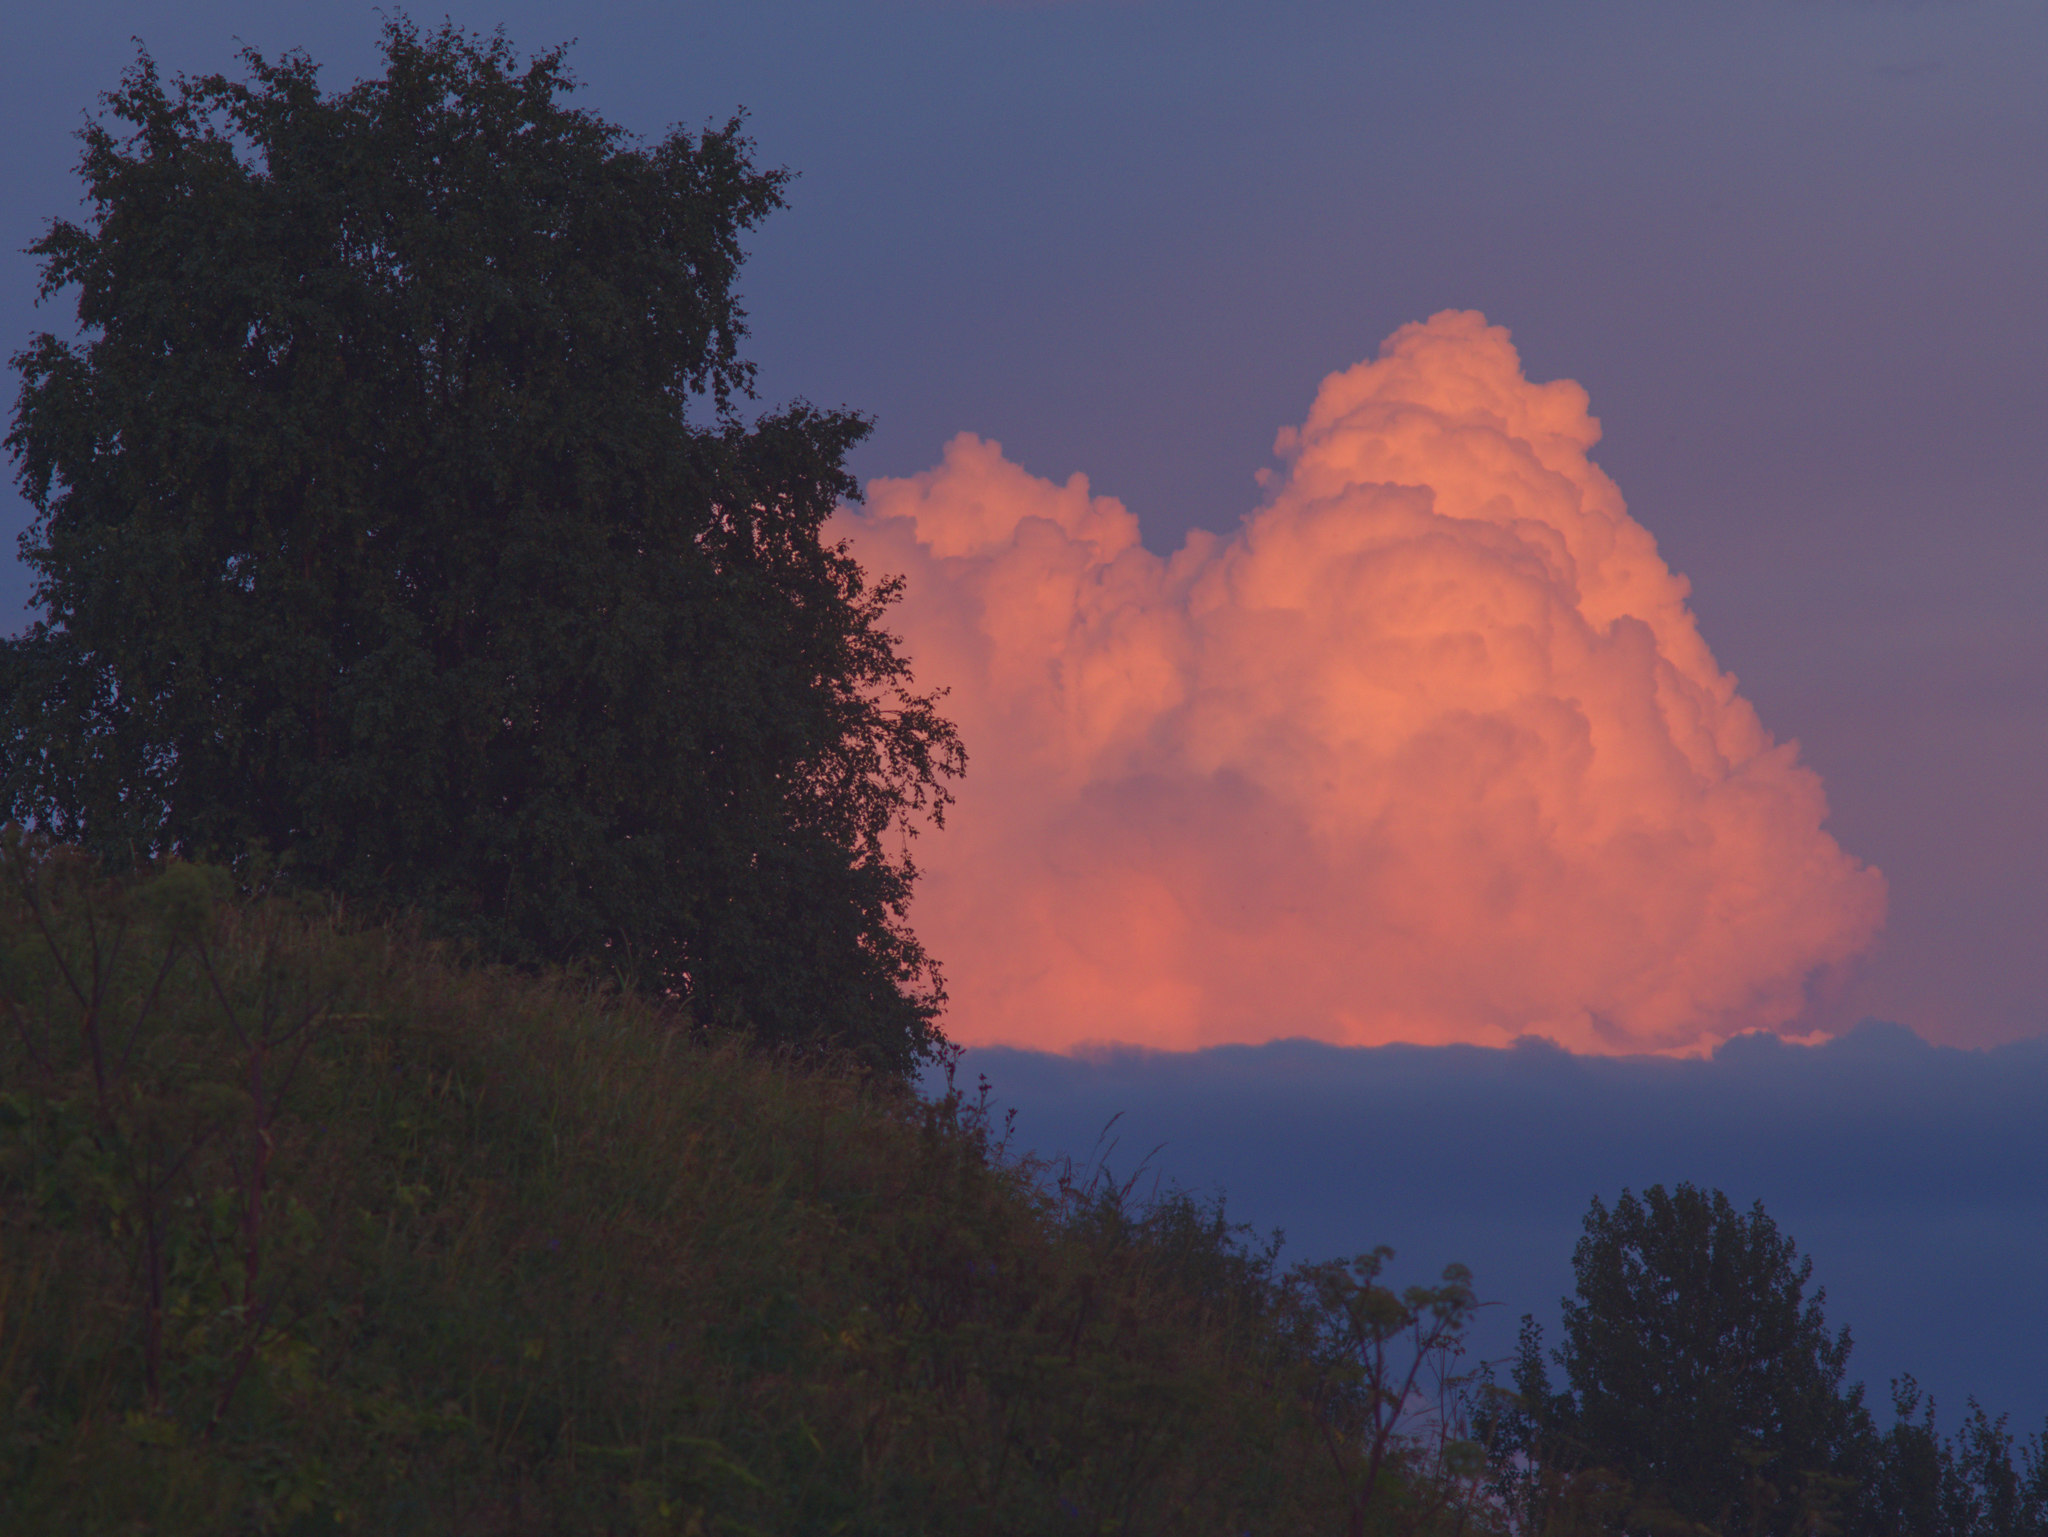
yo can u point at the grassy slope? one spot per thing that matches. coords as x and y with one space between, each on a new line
441 1249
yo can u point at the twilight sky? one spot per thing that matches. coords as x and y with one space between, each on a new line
1790 250
1424 735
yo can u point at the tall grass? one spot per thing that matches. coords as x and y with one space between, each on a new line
311 1227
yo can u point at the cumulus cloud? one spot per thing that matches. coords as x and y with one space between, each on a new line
1429 750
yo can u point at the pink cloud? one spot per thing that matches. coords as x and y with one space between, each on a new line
1429 750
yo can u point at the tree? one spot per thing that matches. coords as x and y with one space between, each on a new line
1703 1389
395 514
1386 1385
1923 1484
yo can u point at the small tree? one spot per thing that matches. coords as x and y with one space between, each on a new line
395 514
1387 1393
1703 1389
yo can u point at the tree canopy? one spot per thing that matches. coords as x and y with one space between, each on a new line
396 514
1703 1388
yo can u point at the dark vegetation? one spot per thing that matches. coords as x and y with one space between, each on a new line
459 1005
1704 1394
308 1227
396 519
307 1224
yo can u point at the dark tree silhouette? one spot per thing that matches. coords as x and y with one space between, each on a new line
395 514
1703 1388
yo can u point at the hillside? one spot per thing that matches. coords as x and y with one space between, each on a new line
311 1226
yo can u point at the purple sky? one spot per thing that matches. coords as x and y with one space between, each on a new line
1793 250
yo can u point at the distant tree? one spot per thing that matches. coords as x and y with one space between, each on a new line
1912 1471
1703 1389
1922 1484
394 514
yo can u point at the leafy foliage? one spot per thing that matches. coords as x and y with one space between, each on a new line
395 516
1704 1398
1703 1389
1923 1484
306 1227
1389 1395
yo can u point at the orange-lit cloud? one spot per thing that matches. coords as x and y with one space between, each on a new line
1429 750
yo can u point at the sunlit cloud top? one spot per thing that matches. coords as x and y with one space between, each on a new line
1429 750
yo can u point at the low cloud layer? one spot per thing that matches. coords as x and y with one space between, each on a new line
1911 1174
1429 750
